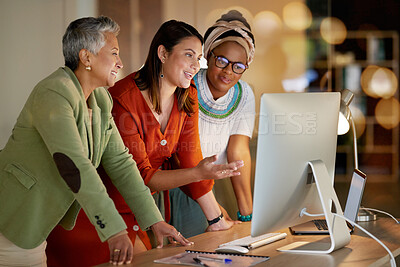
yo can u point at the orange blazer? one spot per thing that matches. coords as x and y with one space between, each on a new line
150 147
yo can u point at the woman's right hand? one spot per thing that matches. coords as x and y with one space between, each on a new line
220 225
163 229
207 169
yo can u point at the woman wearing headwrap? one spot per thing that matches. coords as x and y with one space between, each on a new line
227 107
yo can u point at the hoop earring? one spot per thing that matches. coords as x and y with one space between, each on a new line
161 75
88 68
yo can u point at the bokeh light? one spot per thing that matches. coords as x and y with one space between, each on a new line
379 82
387 112
333 30
297 16
384 83
366 77
267 24
359 120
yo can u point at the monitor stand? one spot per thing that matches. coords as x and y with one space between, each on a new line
338 230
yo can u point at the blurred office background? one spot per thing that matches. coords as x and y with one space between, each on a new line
310 45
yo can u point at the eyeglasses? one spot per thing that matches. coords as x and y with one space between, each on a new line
222 63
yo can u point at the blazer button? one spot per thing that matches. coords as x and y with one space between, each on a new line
135 228
163 142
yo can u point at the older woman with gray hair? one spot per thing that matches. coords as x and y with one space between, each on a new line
64 132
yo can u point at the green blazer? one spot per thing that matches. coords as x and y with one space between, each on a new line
48 166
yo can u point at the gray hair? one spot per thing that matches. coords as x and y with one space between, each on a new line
86 33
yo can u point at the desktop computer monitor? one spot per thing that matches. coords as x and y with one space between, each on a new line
294 129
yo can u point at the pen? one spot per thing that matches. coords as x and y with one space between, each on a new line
214 259
197 260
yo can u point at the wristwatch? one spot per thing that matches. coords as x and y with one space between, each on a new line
215 220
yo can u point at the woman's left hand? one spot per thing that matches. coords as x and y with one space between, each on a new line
163 229
121 248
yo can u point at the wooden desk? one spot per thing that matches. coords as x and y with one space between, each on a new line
362 250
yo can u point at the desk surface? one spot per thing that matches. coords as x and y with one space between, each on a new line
362 250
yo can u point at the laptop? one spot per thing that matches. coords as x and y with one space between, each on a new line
350 212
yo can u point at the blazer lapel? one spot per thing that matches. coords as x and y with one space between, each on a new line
89 137
86 129
95 130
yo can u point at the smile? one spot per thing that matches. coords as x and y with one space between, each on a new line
225 80
114 73
188 75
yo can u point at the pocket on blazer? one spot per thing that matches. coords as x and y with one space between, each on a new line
23 176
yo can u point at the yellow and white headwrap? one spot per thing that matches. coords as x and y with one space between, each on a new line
224 26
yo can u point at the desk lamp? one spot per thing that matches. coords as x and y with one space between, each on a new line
345 121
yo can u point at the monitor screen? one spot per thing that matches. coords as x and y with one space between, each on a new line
294 128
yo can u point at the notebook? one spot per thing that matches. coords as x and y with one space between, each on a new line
191 257
350 212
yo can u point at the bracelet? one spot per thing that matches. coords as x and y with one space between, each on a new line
246 218
215 220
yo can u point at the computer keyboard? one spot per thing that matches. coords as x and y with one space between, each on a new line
321 224
254 242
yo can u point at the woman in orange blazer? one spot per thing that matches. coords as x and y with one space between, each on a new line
156 112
